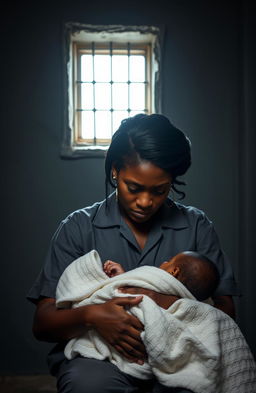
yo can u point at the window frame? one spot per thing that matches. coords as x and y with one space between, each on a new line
78 35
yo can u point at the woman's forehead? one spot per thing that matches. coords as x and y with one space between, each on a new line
145 173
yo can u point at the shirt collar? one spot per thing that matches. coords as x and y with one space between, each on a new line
108 214
170 216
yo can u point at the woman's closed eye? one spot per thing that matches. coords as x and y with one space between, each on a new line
160 191
155 191
134 189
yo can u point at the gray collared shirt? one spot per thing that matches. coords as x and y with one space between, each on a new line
177 228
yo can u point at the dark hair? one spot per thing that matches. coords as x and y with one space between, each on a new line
151 138
199 275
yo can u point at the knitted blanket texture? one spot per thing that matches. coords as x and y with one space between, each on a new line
191 345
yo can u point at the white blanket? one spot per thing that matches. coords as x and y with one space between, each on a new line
191 345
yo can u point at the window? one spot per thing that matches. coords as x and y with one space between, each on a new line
112 72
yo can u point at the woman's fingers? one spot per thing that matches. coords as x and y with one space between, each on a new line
128 302
128 356
131 348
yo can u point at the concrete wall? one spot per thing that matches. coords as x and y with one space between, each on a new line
207 91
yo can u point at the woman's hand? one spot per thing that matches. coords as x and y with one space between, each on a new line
119 328
162 300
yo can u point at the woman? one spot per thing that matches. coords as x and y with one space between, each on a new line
137 225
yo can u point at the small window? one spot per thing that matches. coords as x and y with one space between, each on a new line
112 73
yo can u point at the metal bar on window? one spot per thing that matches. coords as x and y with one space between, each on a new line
147 96
111 85
129 82
93 82
77 96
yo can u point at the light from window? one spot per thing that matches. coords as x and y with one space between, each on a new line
111 84
111 76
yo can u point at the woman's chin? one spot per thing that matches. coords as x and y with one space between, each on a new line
139 217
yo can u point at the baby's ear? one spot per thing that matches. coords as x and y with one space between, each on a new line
175 271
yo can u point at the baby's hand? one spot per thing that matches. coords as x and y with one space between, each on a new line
112 269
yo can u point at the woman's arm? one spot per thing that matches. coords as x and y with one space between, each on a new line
111 321
225 304
162 300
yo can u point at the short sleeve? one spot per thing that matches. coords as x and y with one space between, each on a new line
208 244
66 245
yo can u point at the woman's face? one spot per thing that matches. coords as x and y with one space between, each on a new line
141 190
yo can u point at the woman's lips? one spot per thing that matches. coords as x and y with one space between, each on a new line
139 214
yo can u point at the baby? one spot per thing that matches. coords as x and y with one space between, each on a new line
196 272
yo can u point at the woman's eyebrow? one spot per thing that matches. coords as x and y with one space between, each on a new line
129 182
162 185
133 183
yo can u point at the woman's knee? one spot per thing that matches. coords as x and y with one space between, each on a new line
71 378
81 375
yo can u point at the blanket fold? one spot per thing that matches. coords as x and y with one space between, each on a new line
191 345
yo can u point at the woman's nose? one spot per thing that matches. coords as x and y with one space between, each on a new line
144 201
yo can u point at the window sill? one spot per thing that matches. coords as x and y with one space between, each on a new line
84 151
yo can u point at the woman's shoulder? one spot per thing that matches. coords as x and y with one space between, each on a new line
186 213
86 217
85 214
185 209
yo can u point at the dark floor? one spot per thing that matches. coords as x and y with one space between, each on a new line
27 384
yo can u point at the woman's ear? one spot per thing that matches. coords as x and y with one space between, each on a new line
114 173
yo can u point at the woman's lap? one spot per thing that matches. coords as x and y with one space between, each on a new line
82 375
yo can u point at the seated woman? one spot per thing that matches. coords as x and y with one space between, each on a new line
139 225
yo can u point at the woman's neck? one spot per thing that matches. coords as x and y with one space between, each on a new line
139 230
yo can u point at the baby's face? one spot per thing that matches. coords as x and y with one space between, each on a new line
173 265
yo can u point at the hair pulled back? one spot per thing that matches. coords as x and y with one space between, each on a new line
149 138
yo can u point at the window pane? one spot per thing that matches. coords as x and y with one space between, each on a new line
107 87
120 95
102 96
120 68
87 96
137 68
86 68
137 96
117 118
87 126
103 125
102 68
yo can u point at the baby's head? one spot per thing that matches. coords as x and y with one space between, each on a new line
196 272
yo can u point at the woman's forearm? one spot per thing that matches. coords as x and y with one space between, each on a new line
225 304
54 325
162 300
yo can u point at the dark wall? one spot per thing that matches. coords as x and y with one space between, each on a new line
208 90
